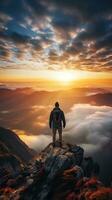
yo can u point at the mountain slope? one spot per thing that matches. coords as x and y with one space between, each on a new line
15 145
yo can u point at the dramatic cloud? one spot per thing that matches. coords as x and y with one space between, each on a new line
90 126
76 31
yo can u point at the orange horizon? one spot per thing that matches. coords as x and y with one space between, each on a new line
55 85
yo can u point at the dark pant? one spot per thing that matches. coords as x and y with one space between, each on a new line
54 130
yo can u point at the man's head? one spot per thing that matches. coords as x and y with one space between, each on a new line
57 105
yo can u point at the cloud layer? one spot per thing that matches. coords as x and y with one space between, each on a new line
28 110
89 126
56 34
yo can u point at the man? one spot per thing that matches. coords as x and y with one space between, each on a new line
55 122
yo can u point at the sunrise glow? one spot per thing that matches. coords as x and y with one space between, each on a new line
66 76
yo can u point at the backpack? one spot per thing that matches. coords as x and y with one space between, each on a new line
57 116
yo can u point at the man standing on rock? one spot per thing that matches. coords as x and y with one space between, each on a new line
55 122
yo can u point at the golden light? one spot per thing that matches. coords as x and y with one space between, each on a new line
66 76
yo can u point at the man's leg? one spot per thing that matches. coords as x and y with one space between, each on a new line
54 136
60 135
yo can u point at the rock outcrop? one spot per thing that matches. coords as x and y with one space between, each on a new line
58 174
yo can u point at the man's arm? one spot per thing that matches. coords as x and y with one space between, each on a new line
50 119
63 119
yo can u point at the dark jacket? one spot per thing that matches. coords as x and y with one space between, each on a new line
56 118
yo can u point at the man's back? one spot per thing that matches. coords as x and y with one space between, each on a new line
55 122
56 118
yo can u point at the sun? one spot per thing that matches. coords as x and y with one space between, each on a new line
65 76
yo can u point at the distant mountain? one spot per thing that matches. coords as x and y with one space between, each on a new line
11 143
27 96
98 99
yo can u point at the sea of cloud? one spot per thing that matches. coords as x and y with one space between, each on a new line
87 125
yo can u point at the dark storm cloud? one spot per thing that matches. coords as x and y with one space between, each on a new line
80 29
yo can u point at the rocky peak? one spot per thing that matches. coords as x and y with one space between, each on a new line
60 173
58 159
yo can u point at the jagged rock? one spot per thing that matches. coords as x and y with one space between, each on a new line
59 174
55 162
64 183
57 159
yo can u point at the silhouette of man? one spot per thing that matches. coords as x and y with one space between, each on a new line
55 122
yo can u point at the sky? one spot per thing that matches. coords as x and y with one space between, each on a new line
61 41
